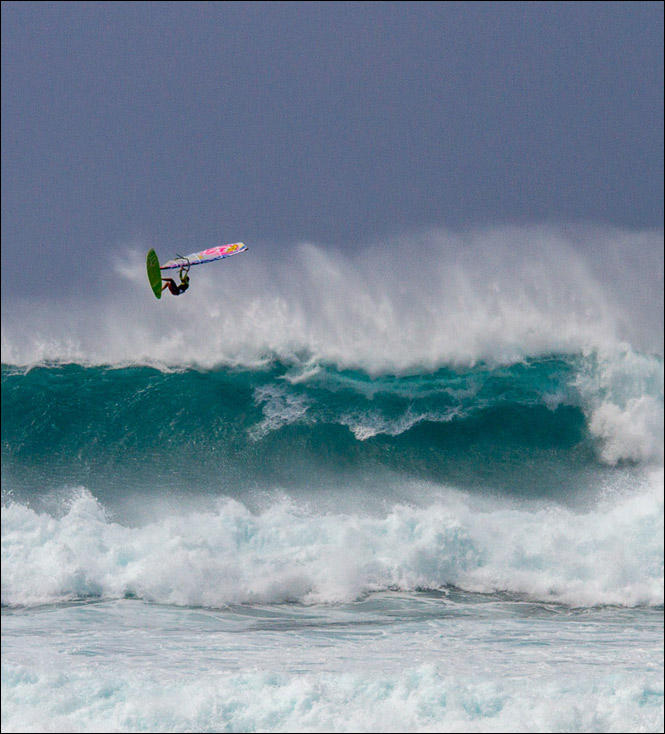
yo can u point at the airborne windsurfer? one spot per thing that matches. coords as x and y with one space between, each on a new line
154 269
176 290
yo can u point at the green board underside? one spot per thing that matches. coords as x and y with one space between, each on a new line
154 273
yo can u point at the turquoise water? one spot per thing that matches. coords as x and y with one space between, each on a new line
72 424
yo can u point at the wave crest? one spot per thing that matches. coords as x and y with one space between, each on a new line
407 303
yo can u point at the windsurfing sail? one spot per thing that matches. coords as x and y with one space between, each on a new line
205 256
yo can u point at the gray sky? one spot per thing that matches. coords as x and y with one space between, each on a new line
184 125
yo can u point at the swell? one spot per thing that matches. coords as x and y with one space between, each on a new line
525 427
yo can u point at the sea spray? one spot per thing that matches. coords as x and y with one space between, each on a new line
407 303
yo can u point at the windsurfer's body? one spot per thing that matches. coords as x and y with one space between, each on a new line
177 289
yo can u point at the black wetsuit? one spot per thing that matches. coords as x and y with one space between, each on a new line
176 290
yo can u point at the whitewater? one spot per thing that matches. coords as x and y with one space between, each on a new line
411 486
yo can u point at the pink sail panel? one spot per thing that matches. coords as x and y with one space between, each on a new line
206 256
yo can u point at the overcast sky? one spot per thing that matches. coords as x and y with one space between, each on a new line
183 125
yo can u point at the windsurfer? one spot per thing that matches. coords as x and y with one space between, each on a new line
175 289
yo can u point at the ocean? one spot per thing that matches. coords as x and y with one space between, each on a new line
339 494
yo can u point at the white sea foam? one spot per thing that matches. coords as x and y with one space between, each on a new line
418 699
367 424
407 303
612 554
623 395
280 408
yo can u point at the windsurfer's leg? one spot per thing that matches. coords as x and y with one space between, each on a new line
170 284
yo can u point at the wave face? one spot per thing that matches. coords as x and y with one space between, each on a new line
68 424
